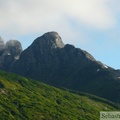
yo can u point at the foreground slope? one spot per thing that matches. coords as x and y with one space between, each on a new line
47 59
24 99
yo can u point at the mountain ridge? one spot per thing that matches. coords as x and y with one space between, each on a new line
48 60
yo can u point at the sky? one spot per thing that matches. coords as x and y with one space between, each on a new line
92 25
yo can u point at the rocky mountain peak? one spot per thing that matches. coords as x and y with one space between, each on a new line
9 53
47 59
14 47
50 39
13 43
54 38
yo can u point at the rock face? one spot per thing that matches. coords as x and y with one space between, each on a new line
52 62
48 58
9 53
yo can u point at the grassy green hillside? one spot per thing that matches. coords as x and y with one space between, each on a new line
24 99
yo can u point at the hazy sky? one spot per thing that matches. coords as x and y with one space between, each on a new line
93 25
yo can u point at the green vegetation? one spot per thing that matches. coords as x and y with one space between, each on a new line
25 99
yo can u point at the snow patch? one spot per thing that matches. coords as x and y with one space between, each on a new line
98 70
16 57
105 66
8 54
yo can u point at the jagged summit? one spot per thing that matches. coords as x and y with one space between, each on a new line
9 53
54 36
14 47
47 59
13 43
50 39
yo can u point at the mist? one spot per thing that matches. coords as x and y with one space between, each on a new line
2 45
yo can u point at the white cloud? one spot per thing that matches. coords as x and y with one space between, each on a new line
95 13
23 17
72 19
33 15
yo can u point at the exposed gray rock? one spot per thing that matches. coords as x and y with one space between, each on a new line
14 48
9 54
52 62
48 54
53 39
47 59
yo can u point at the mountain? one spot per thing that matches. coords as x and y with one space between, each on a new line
26 99
9 53
49 60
